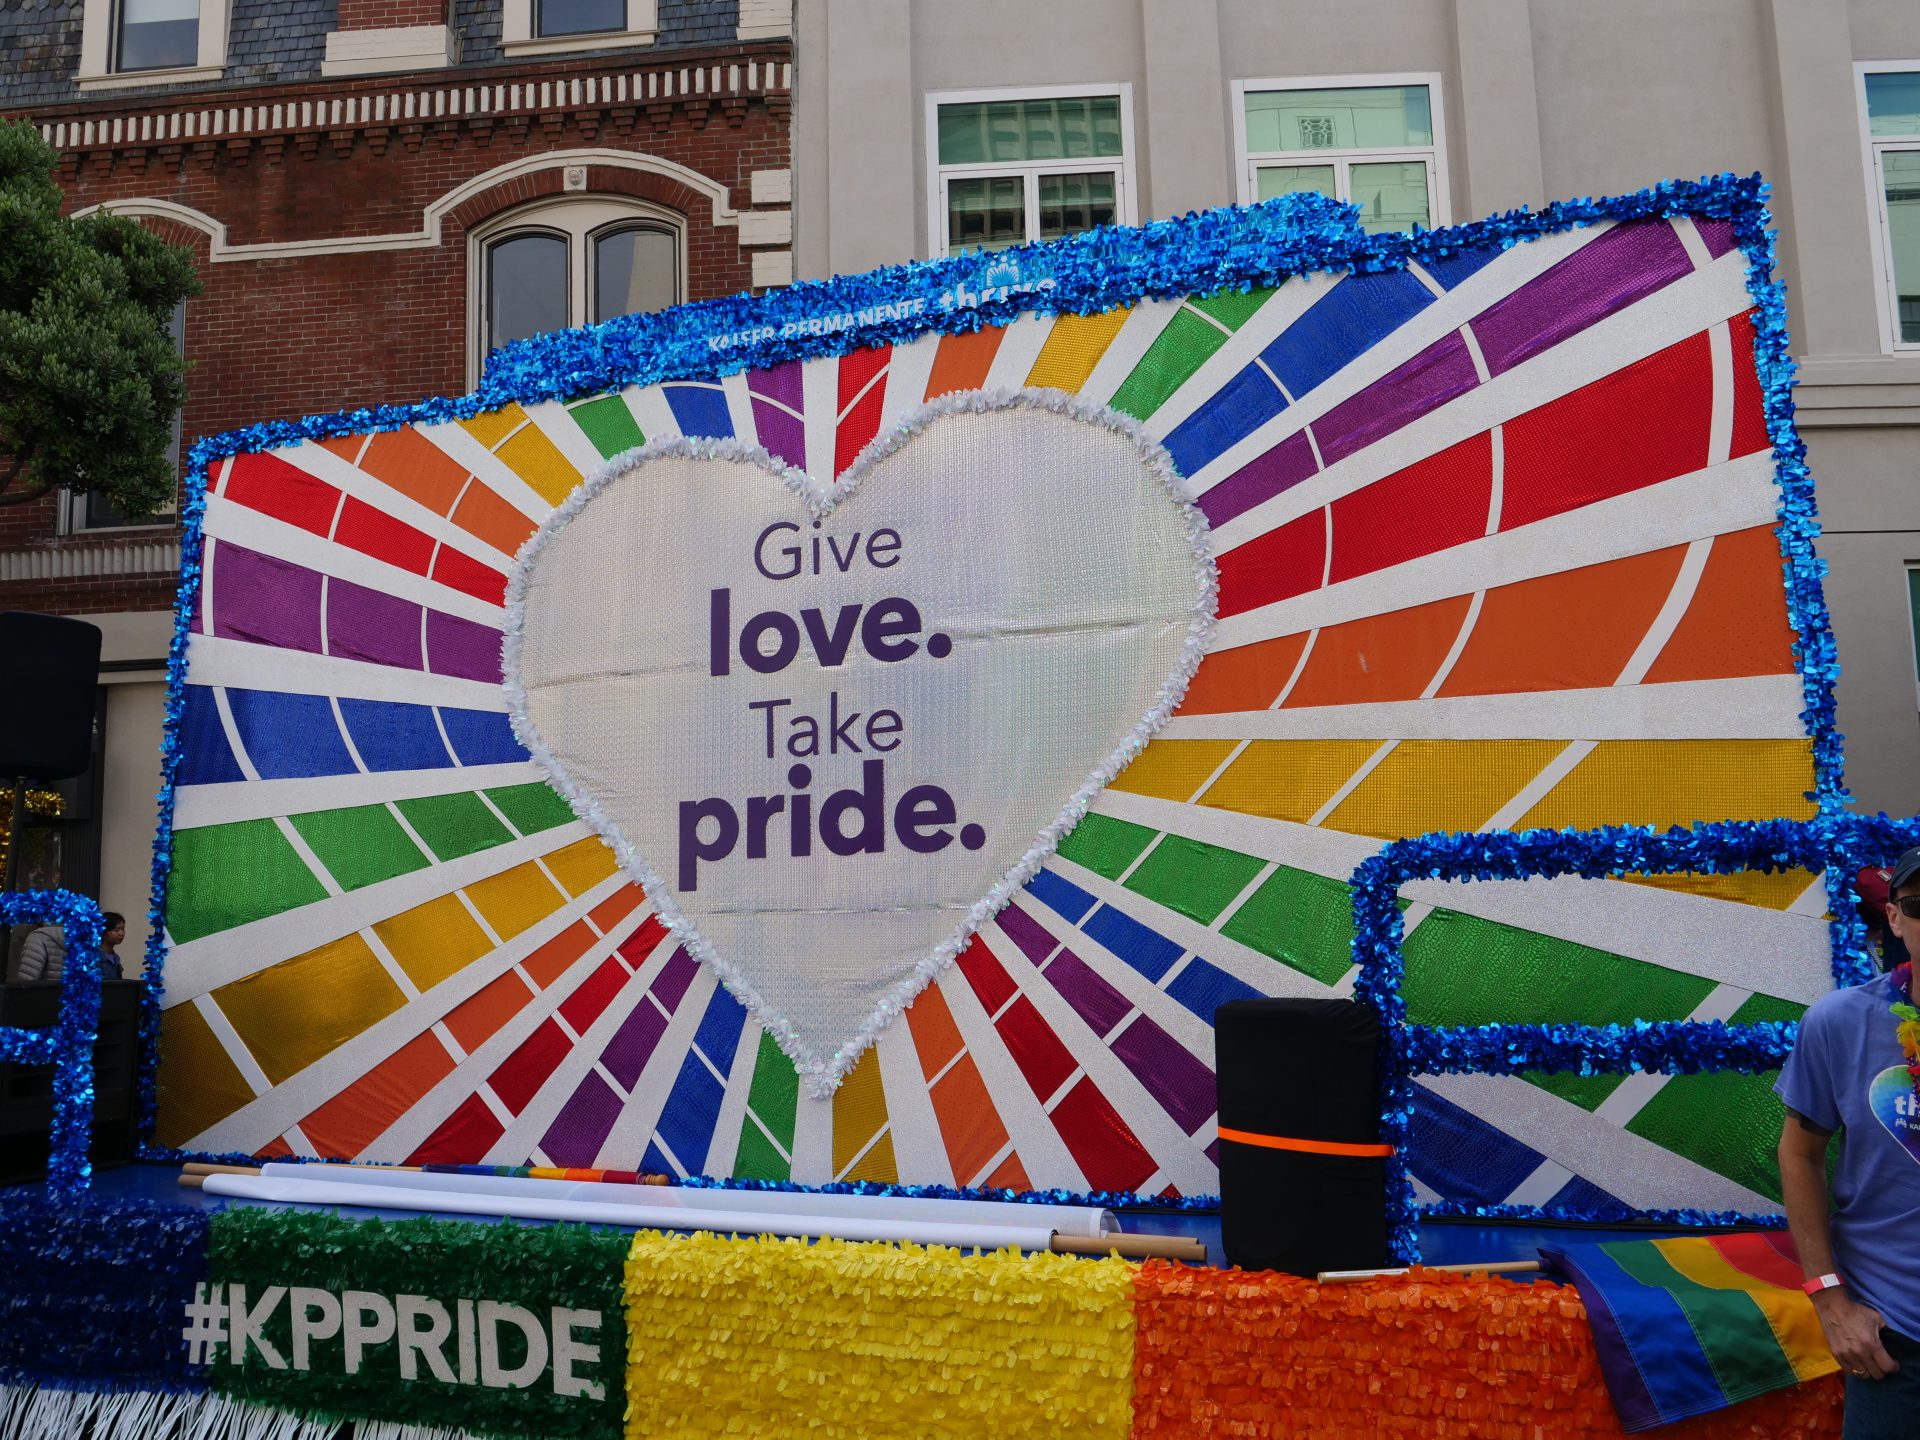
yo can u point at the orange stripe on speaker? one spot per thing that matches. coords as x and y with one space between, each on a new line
1307 1147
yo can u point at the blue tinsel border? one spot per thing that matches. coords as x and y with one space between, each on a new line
68 1047
1236 248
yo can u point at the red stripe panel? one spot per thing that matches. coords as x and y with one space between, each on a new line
1099 1140
458 571
522 1073
637 946
463 1137
376 533
1276 566
984 972
1035 1049
1433 505
273 487
1749 404
859 425
1753 1255
596 992
1633 428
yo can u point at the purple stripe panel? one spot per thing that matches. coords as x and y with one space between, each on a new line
1260 479
464 648
1605 275
632 1045
265 601
780 382
582 1125
1718 234
1026 932
1172 1074
371 625
783 434
674 978
1426 382
1212 1152
1092 998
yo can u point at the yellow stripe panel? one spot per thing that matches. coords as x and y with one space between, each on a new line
515 899
336 990
1074 347
538 461
786 1340
582 865
1427 785
199 1083
1792 1317
1282 779
1173 769
1679 782
490 427
434 940
860 1112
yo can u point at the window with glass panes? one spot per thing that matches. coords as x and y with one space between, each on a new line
155 34
1012 170
1373 145
1893 135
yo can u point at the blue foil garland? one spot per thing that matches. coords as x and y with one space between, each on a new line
68 1047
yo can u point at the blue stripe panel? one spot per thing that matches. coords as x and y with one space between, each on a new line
482 737
1204 988
691 1112
287 736
719 1033
1460 264
391 736
205 756
1462 1156
654 1162
1237 409
1151 954
1063 897
1347 321
699 410
1582 1196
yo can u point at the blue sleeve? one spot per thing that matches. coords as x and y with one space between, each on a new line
1806 1080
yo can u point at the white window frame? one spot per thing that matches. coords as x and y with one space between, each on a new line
578 217
1886 300
1907 572
1126 211
1439 204
96 50
518 38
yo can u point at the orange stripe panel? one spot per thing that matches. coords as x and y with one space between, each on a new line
1011 1174
477 1017
345 446
969 1124
1248 677
616 907
962 361
1571 631
556 957
485 516
405 460
1737 623
1380 657
354 1118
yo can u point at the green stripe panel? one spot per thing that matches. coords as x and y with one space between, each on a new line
1106 846
1178 351
774 1096
228 875
454 825
1586 1091
1462 970
1733 1331
1304 921
1729 1123
609 424
1195 879
360 845
531 808
1233 308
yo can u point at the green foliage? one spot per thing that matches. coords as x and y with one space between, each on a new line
89 377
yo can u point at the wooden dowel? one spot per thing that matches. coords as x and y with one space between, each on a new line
1486 1267
1132 1247
204 1168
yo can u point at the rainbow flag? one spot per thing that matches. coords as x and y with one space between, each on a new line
1696 1324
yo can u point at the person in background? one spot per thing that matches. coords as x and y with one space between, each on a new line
1856 1067
1871 883
44 956
113 935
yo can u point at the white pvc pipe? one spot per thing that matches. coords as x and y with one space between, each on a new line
1063 1219
302 1191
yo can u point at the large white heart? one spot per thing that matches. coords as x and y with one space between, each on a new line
735 674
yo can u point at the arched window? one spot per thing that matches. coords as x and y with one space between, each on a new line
575 262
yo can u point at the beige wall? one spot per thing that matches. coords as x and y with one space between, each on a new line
1543 99
135 713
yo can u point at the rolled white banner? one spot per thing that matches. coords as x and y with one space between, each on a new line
284 1190
1064 1219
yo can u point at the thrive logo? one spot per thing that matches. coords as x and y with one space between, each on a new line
477 1342
1000 278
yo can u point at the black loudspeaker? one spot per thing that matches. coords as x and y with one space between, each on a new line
1299 1093
50 666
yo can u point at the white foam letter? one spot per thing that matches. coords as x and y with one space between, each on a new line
359 1332
415 1341
492 1312
566 1350
322 1303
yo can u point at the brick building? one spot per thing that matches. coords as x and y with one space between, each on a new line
377 193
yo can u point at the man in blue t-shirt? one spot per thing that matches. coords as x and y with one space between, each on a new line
1861 1255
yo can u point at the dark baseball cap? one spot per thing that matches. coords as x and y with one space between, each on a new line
1905 870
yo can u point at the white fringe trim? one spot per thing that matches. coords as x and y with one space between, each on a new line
823 1077
41 1413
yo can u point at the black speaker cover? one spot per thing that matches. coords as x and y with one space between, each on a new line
51 665
1303 1070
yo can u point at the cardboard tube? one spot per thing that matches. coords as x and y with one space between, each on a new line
1133 1247
1489 1267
